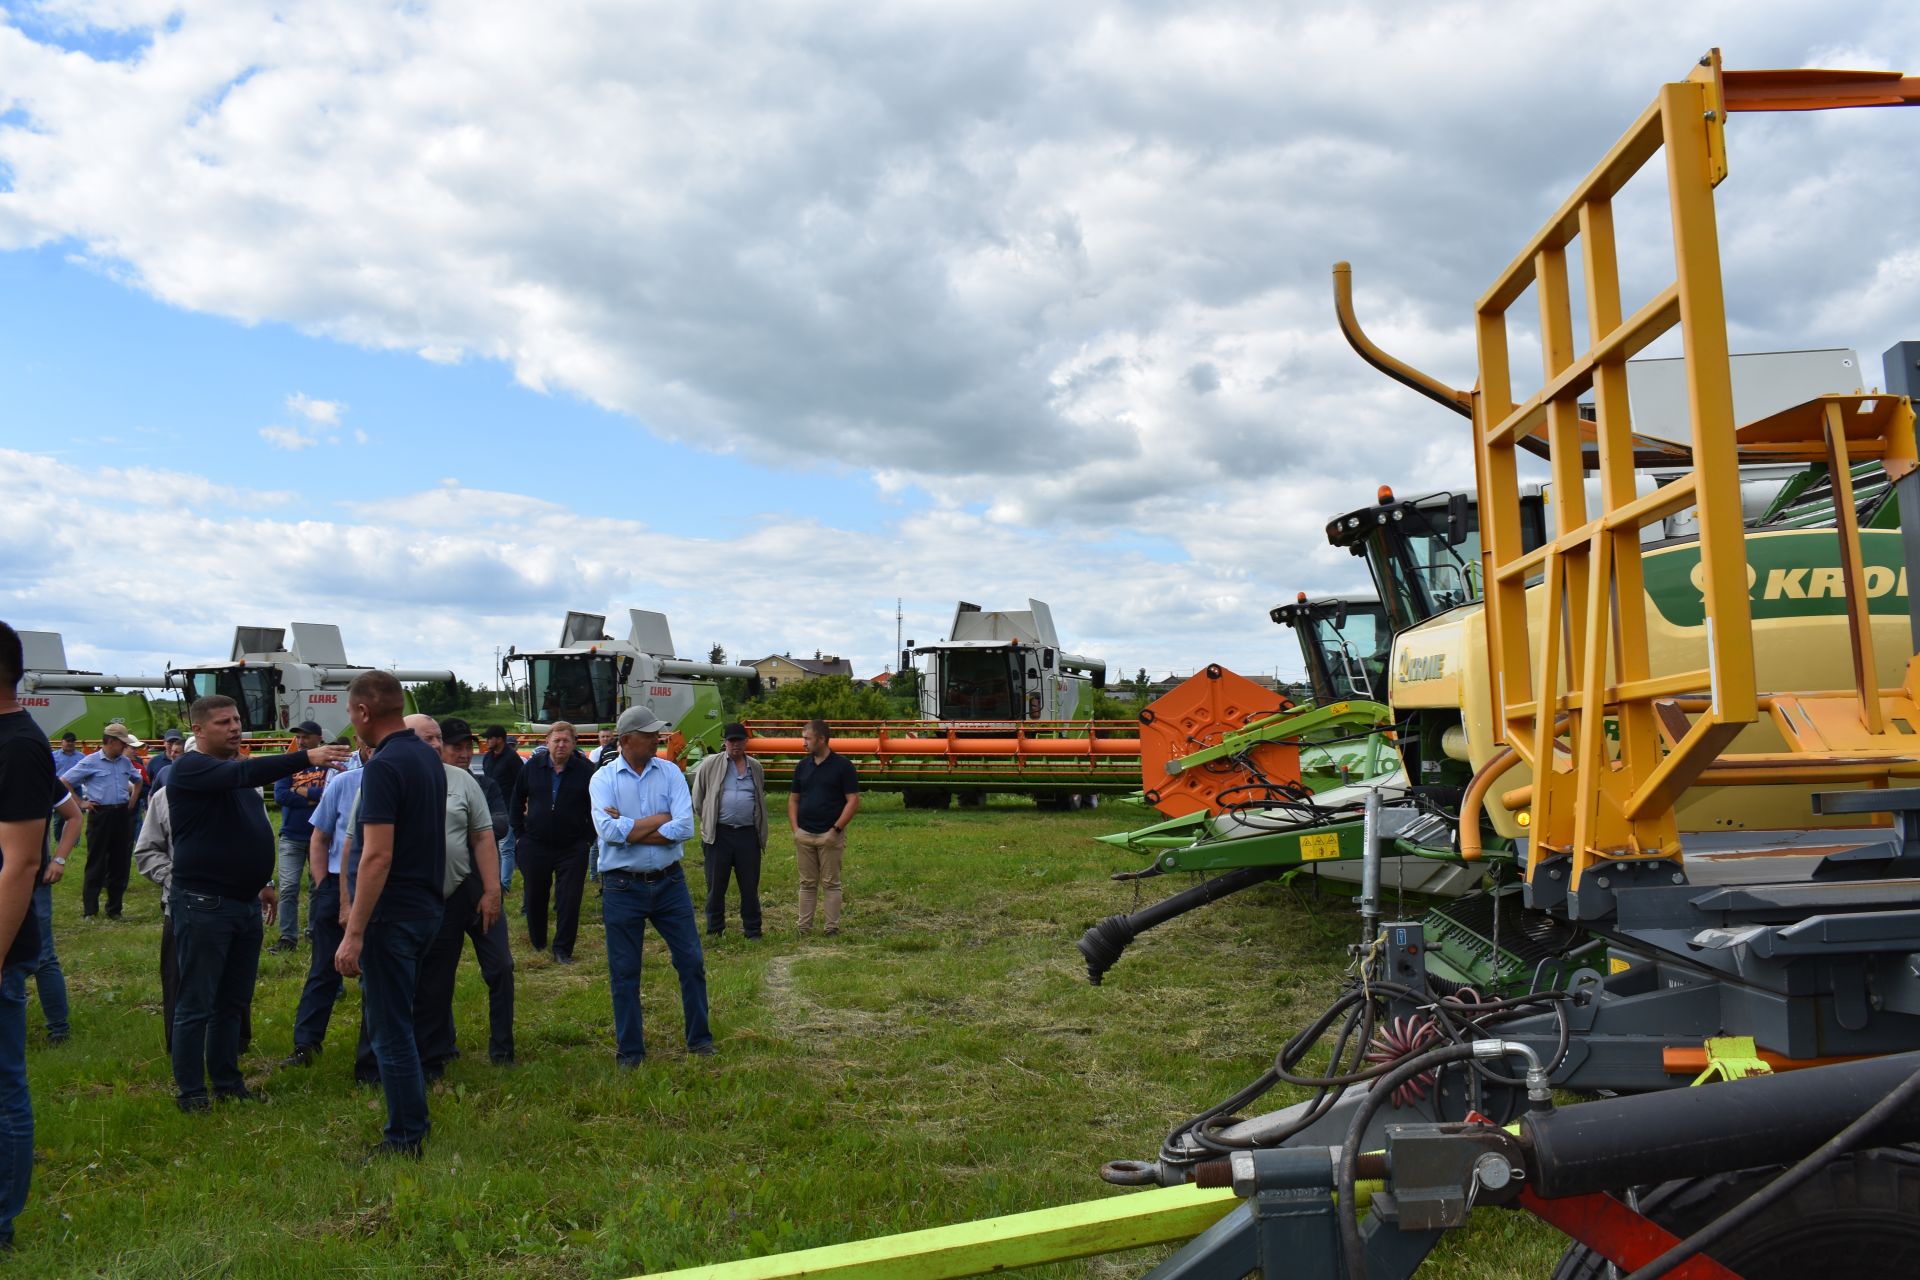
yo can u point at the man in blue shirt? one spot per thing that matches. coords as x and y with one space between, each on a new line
64 759
172 745
332 825
642 812
107 786
296 797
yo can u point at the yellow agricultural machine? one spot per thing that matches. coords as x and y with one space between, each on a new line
1698 814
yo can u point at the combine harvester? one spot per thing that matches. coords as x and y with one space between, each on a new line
1676 931
62 700
1004 708
590 678
278 685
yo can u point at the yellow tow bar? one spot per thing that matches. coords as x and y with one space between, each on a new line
1107 1225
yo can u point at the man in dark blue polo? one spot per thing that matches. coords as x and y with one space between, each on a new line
108 786
28 789
222 887
396 905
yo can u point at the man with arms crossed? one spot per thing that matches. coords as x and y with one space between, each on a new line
642 811
28 790
396 906
223 866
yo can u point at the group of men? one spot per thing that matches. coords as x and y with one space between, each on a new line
409 844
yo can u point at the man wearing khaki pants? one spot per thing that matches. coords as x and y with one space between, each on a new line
825 796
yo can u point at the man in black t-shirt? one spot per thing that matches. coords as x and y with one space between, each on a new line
28 790
825 796
396 898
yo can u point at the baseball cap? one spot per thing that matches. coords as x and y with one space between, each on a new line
454 731
309 726
640 720
172 735
118 730
734 733
495 731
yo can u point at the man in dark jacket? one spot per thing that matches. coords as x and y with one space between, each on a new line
552 820
223 868
500 764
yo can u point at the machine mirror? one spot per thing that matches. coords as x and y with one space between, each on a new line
1459 518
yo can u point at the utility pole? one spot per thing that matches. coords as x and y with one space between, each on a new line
899 629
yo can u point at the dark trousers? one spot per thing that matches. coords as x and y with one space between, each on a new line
627 903
735 851
170 989
16 1107
109 857
390 974
317 998
433 1005
556 873
218 944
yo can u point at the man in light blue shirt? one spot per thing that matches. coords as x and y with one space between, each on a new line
332 823
643 814
107 786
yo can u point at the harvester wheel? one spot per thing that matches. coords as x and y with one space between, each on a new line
1860 1215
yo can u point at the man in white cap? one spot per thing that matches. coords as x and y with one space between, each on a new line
643 812
107 786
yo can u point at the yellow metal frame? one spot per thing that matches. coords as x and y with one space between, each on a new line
1556 688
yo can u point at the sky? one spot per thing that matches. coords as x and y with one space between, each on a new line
436 321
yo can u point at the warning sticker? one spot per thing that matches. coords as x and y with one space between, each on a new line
1318 848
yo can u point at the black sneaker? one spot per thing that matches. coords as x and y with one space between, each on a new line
302 1056
404 1150
563 957
629 1063
704 1050
202 1103
502 1060
59 1037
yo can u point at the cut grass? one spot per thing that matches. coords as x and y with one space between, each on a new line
943 1059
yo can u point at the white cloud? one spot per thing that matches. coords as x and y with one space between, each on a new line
442 577
1068 264
325 413
292 439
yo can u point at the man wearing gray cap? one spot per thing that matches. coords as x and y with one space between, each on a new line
643 812
107 786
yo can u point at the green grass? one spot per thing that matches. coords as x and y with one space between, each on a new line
944 1059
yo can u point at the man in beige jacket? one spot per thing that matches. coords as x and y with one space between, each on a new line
730 801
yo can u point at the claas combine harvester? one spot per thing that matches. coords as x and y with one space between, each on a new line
1694 809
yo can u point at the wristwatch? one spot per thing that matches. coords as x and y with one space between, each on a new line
59 862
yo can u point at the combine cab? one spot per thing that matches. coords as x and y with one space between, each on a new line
277 685
590 678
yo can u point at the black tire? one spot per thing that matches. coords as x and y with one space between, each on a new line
1860 1215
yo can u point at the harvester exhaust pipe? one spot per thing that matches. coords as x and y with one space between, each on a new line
1105 942
1370 869
1400 371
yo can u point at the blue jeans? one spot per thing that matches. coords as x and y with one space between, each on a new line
323 980
16 1108
626 905
291 871
217 943
506 860
389 972
45 971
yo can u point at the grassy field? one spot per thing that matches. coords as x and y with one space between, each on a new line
943 1059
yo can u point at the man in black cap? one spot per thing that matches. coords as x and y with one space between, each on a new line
500 763
297 796
730 800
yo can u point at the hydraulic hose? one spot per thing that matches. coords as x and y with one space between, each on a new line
1854 1135
1103 944
1476 796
